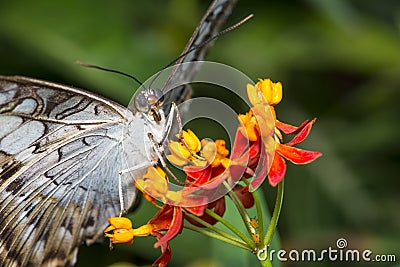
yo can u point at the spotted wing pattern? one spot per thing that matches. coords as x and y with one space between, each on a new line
60 153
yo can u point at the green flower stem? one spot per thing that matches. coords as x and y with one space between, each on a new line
212 227
275 215
234 242
266 263
231 227
242 211
259 216
259 212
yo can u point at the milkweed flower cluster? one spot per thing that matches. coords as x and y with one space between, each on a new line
258 153
263 96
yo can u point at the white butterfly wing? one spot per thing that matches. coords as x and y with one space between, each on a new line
60 153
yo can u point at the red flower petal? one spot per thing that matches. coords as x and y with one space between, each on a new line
240 145
174 228
244 195
237 171
165 253
302 134
260 172
290 129
277 171
218 207
255 148
296 155
197 175
163 218
197 210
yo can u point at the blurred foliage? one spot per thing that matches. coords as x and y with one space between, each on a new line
338 60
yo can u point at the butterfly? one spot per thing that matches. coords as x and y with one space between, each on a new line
61 150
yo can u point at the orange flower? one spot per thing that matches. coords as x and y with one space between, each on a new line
165 225
259 137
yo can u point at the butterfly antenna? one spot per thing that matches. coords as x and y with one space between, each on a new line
110 70
209 40
231 28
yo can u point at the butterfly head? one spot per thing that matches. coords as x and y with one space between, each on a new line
149 101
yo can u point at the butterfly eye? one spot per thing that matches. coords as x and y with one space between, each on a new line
141 102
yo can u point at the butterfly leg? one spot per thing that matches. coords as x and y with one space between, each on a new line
121 196
137 167
120 187
174 113
159 151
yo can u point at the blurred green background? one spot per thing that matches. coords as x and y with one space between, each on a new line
338 60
